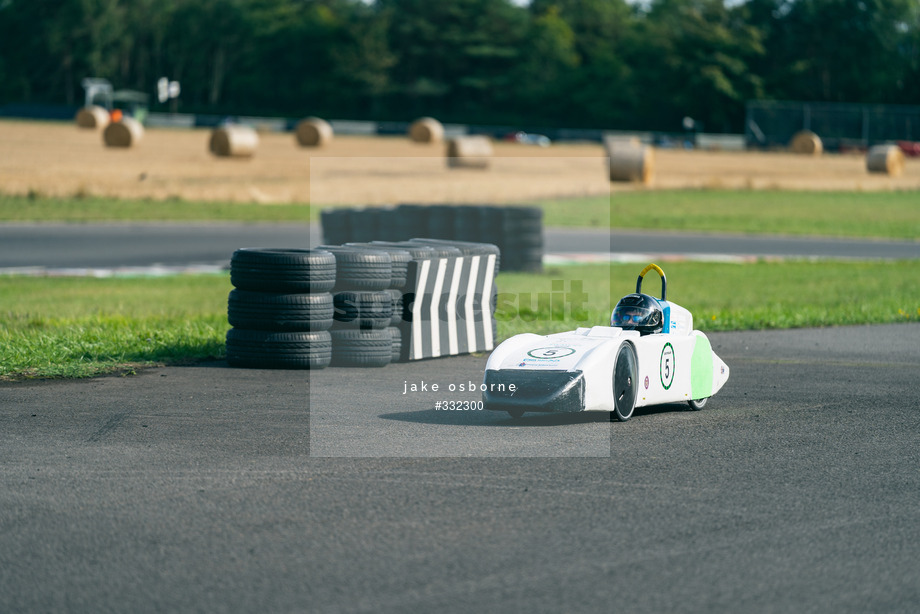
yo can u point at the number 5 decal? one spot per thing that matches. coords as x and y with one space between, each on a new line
667 365
551 352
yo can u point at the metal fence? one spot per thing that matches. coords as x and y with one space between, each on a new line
770 124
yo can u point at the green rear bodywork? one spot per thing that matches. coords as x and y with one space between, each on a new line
701 369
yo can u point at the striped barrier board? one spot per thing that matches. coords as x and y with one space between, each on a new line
449 306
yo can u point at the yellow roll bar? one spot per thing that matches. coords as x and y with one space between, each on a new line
664 281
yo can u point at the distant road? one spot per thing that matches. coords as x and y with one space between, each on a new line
138 245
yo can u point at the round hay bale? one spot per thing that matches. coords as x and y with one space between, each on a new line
426 130
125 133
631 163
233 141
93 117
807 143
615 141
888 159
473 151
313 132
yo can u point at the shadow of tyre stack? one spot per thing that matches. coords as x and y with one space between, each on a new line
281 308
517 231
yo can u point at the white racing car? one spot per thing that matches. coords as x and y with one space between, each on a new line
649 355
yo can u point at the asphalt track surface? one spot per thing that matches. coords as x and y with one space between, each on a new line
211 489
25 246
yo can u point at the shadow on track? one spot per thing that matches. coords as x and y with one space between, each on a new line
499 418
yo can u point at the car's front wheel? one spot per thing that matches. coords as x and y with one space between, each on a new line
625 373
697 404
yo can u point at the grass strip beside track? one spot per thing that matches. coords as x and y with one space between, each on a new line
721 296
884 215
91 209
80 327
880 215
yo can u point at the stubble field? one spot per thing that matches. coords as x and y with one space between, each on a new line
59 159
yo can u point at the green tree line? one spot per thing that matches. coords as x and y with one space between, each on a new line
572 63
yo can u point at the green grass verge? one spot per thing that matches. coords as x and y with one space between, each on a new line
889 215
721 297
80 327
37 208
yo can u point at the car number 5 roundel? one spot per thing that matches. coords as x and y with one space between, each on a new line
551 352
667 365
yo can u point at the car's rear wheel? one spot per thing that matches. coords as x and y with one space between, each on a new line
516 413
697 404
625 373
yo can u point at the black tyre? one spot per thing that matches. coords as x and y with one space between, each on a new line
397 349
625 374
336 225
363 310
490 225
396 300
522 228
466 223
517 220
417 251
361 348
698 404
360 269
273 350
440 222
282 270
468 248
526 227
386 224
280 312
399 259
440 249
364 224
410 221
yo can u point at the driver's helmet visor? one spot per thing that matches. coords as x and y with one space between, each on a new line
629 316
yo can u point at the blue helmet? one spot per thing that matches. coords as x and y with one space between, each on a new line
639 312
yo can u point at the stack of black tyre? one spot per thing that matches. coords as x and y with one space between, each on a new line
336 225
516 230
522 238
338 305
281 308
367 301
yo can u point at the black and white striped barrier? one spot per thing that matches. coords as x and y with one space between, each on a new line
449 306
